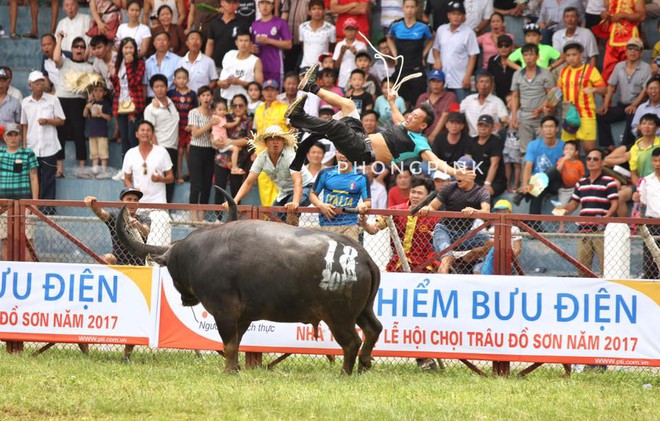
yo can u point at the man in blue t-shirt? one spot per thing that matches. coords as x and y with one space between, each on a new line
342 187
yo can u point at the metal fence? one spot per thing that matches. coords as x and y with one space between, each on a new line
497 243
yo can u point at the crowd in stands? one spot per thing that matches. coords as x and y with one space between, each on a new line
198 90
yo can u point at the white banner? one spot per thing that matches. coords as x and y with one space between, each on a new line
77 303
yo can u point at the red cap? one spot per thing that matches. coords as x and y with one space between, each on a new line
455 108
351 23
324 55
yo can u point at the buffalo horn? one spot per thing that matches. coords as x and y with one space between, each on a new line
233 210
135 247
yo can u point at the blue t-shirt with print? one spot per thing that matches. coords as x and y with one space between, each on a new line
543 156
341 190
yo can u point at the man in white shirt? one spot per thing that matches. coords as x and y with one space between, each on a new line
649 196
73 25
455 50
201 68
41 113
477 14
574 33
240 67
163 115
148 167
484 102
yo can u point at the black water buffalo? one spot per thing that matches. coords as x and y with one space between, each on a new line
244 271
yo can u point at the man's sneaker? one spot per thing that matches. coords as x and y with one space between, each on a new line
309 79
297 107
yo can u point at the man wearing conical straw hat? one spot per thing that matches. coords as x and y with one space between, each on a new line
293 186
402 142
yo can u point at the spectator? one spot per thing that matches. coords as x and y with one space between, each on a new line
184 99
315 162
415 232
541 156
19 168
98 112
200 67
490 40
401 191
327 79
649 195
462 195
371 84
10 107
106 17
11 90
384 67
163 62
597 197
502 206
129 197
450 145
440 180
73 102
356 11
498 67
551 18
362 99
278 153
455 51
622 18
48 67
593 11
412 40
589 82
548 57
382 106
165 24
152 9
271 36
162 113
104 57
255 98
237 138
342 187
574 33
314 36
650 106
436 13
291 93
222 32
74 25
295 13
484 102
41 114
486 150
34 19
128 99
528 103
140 33
202 153
439 99
629 77
511 152
477 13
369 121
390 12
148 167
240 67
571 169
345 51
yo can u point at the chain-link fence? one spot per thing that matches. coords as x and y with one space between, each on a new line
398 242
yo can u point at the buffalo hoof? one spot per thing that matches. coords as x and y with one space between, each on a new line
364 366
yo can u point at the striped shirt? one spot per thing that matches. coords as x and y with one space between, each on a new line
572 83
196 119
595 197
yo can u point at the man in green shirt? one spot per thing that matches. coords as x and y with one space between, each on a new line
549 58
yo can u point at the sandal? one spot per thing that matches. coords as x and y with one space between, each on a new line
15 36
31 35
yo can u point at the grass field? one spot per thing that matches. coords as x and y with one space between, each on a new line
63 383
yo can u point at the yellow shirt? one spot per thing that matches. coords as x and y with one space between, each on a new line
568 82
640 159
263 118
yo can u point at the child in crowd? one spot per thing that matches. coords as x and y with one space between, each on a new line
326 60
362 99
184 100
98 111
382 106
219 135
371 84
346 50
511 153
316 35
254 97
547 53
328 80
572 170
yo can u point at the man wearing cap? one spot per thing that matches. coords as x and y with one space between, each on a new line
572 32
488 268
439 99
629 77
449 145
548 57
222 32
440 180
462 195
484 102
411 39
498 67
355 10
455 51
10 107
271 36
240 67
622 18
41 114
18 167
345 51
